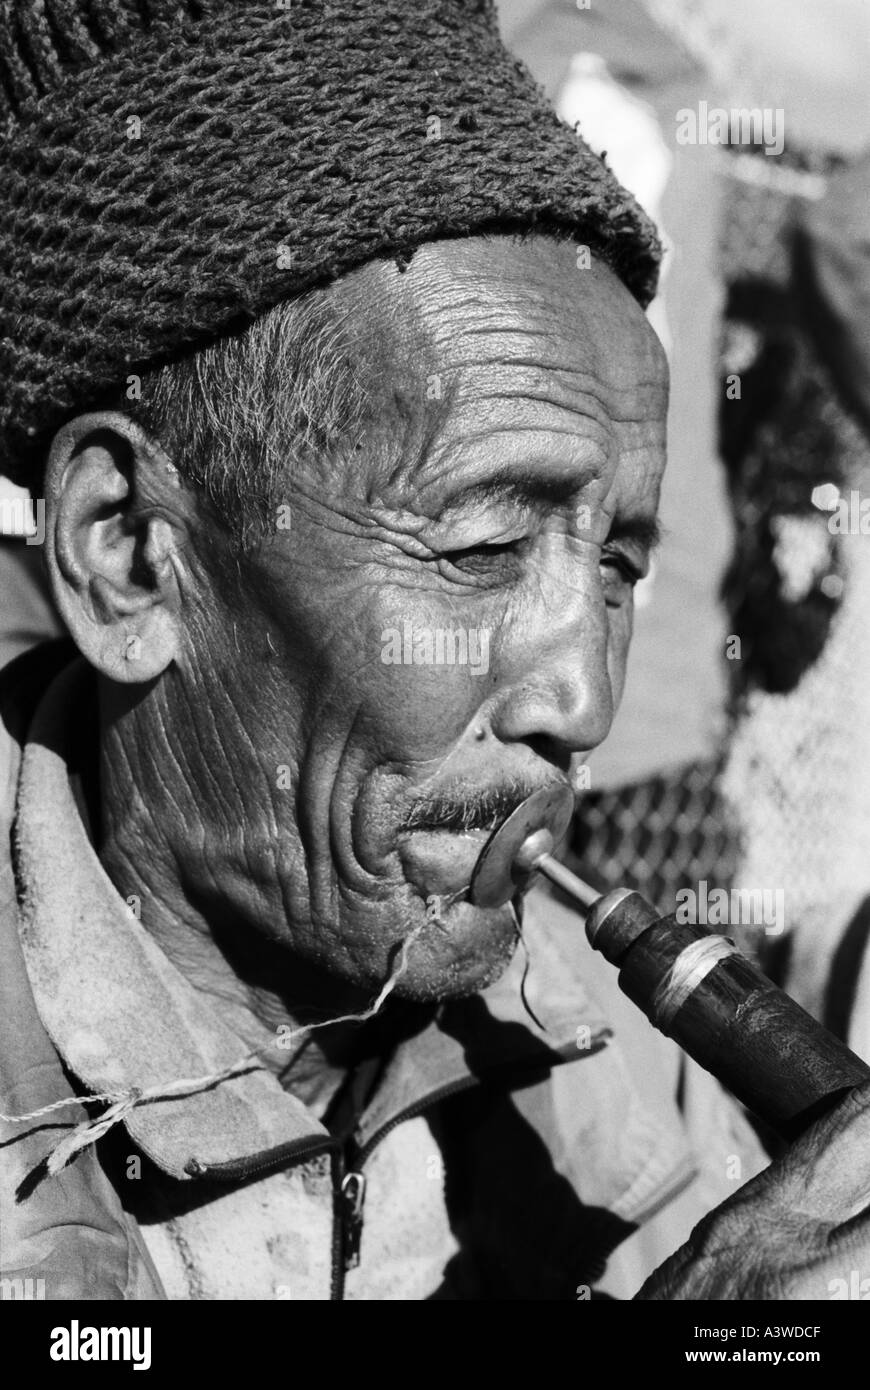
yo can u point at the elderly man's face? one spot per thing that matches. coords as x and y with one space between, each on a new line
445 624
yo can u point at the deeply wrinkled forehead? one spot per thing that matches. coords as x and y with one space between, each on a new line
500 344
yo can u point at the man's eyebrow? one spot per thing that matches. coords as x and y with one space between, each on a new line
518 485
647 531
529 486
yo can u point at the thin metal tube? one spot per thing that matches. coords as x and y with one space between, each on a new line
581 892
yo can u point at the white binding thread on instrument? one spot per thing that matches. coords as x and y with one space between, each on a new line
688 970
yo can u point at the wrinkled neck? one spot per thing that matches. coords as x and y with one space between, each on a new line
186 830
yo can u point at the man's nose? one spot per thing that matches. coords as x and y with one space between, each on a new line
559 691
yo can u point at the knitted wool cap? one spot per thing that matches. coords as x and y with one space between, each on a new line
172 168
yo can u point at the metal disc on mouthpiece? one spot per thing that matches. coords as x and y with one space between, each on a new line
496 877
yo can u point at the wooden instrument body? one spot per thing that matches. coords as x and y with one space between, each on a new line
768 1051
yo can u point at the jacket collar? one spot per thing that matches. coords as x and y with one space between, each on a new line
122 1016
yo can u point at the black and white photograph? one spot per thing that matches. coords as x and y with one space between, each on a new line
435 670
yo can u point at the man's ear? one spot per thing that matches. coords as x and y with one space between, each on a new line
115 522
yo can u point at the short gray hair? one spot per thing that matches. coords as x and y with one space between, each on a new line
235 416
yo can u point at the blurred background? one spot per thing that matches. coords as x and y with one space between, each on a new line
740 757
741 754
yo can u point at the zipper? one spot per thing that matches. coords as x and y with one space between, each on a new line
337 1273
350 1181
238 1170
283 1157
353 1195
349 1184
453 1088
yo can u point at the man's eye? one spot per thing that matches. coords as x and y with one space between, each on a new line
622 567
481 559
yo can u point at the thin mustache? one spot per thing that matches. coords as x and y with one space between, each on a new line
486 809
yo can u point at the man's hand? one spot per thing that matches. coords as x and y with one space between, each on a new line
792 1232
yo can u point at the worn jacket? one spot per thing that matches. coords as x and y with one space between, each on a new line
498 1155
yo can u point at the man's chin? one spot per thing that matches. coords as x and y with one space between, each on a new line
426 956
461 954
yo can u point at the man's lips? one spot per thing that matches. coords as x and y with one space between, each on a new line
441 841
441 861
